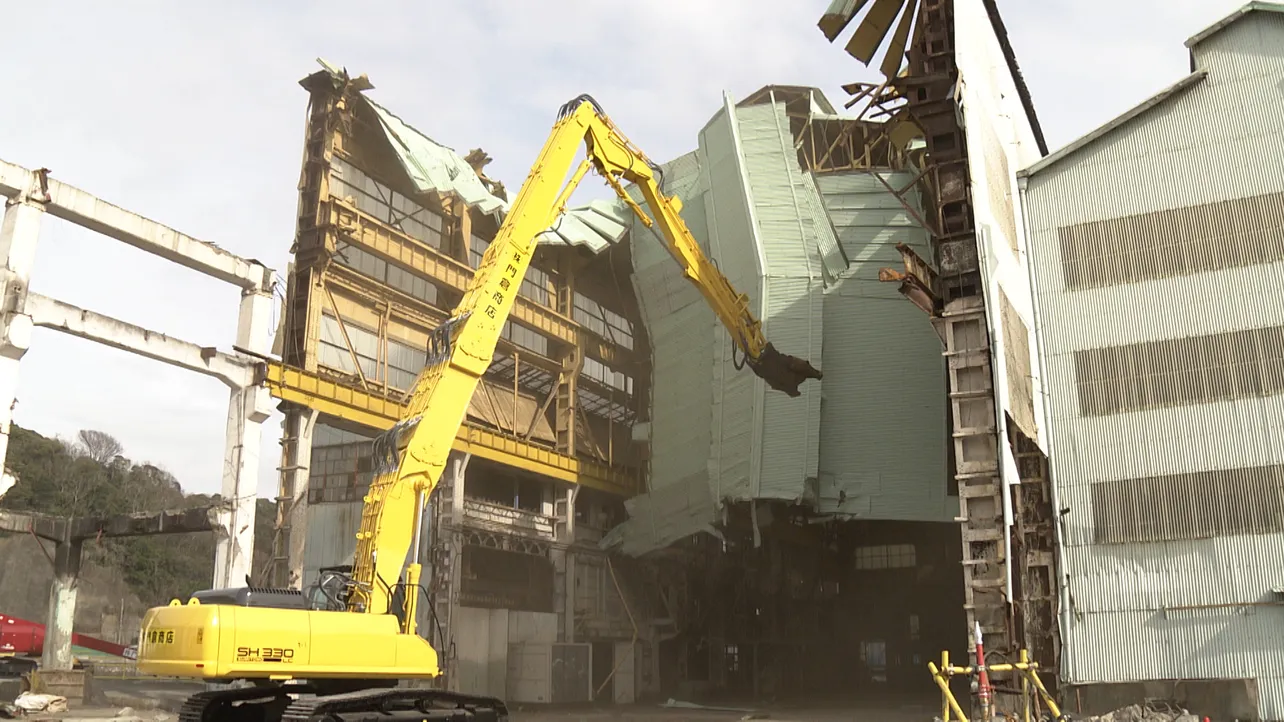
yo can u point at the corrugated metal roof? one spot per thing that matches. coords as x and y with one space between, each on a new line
681 329
776 437
662 517
1232 18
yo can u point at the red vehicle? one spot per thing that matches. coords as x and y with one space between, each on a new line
23 641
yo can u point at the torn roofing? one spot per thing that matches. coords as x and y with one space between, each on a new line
840 14
435 168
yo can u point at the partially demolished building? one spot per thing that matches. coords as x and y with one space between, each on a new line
778 545
391 226
929 412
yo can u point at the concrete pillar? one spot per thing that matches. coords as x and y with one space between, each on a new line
456 467
62 606
254 321
234 552
567 524
299 425
19 231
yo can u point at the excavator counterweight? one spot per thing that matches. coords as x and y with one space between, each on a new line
336 653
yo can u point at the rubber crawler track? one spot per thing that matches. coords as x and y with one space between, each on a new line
351 706
369 704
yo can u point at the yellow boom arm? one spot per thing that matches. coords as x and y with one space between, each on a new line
460 350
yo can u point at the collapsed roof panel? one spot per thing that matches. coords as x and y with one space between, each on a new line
438 169
433 167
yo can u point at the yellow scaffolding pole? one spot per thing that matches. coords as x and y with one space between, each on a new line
1028 671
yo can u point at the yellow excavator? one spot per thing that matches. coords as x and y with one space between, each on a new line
339 655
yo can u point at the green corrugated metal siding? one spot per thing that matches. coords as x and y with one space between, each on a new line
785 442
733 467
883 424
435 168
681 327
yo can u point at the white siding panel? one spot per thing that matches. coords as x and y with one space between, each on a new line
1178 609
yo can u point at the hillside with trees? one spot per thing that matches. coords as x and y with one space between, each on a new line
91 476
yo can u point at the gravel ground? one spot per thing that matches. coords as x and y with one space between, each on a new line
138 701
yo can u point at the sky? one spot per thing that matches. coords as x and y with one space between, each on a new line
190 114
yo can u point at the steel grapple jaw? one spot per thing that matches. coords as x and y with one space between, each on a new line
783 372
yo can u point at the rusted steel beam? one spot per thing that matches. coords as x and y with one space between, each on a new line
918 280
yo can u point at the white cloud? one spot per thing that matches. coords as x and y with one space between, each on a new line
190 113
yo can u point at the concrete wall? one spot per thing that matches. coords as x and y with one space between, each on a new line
1164 356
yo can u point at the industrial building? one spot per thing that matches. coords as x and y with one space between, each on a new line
391 226
1165 227
768 545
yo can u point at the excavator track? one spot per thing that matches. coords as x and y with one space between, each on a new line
296 703
220 705
391 705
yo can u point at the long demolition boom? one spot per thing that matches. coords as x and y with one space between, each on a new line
409 458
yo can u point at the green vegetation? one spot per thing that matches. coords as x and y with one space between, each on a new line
91 477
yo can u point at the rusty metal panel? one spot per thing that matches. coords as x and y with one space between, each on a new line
1208 602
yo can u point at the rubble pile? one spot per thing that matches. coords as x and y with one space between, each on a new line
1146 713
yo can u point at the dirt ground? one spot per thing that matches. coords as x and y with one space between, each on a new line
138 701
604 714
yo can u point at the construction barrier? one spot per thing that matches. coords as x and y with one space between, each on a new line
1032 690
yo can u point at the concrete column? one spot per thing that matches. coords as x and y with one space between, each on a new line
299 425
62 606
254 321
19 231
568 601
234 552
455 468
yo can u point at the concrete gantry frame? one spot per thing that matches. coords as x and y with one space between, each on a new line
29 196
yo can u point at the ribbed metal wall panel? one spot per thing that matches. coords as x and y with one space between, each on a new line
737 395
680 327
792 245
883 435
790 444
1219 139
331 538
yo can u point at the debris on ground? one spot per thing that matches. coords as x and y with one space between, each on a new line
51 703
1146 713
677 704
